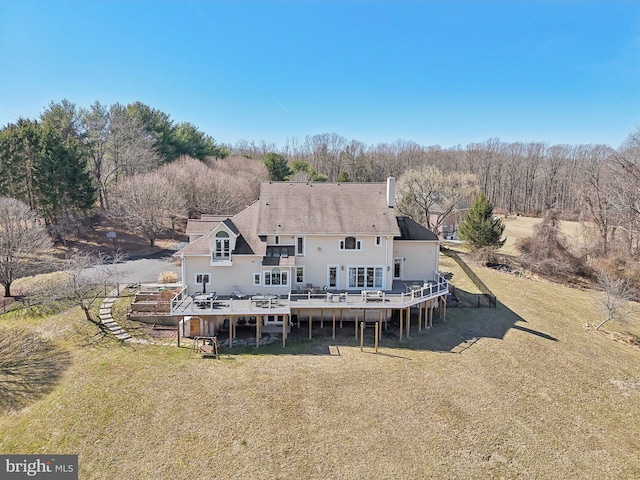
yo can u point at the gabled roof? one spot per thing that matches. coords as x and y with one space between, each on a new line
308 209
412 230
202 226
325 209
199 246
208 223
231 227
246 223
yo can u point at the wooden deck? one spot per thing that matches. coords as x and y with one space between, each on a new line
183 304
273 312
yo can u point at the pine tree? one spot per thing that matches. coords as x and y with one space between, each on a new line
479 226
277 166
62 182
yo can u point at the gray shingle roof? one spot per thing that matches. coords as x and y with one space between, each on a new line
325 208
412 230
309 209
246 222
202 226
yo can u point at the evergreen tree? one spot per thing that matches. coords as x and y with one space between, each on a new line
62 183
277 166
194 143
20 146
479 226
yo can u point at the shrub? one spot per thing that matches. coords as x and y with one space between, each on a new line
546 252
167 277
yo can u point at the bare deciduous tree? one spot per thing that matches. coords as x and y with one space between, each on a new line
617 293
597 190
23 241
429 196
82 282
148 204
219 186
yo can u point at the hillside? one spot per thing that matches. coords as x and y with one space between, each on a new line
526 390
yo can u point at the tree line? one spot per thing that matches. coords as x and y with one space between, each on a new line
70 159
594 183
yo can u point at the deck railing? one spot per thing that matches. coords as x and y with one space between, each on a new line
179 299
183 303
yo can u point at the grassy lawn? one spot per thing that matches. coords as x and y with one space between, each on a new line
521 391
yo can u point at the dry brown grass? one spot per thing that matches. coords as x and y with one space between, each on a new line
532 393
521 227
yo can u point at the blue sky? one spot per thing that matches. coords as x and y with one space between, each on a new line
435 72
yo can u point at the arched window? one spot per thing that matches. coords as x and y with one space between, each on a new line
276 277
222 246
350 243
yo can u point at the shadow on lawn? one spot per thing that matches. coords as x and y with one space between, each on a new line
30 366
464 326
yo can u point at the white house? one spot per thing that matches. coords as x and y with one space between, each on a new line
306 241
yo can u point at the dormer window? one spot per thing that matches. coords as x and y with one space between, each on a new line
222 246
350 243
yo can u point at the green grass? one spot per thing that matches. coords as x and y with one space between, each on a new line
525 390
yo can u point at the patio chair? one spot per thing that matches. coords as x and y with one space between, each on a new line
237 293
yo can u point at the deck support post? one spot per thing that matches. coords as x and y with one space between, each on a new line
420 317
259 321
362 336
356 324
408 320
444 307
377 333
235 326
401 322
310 322
285 323
430 313
334 325
321 318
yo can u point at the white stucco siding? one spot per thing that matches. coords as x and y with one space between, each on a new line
226 279
420 259
320 253
323 251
